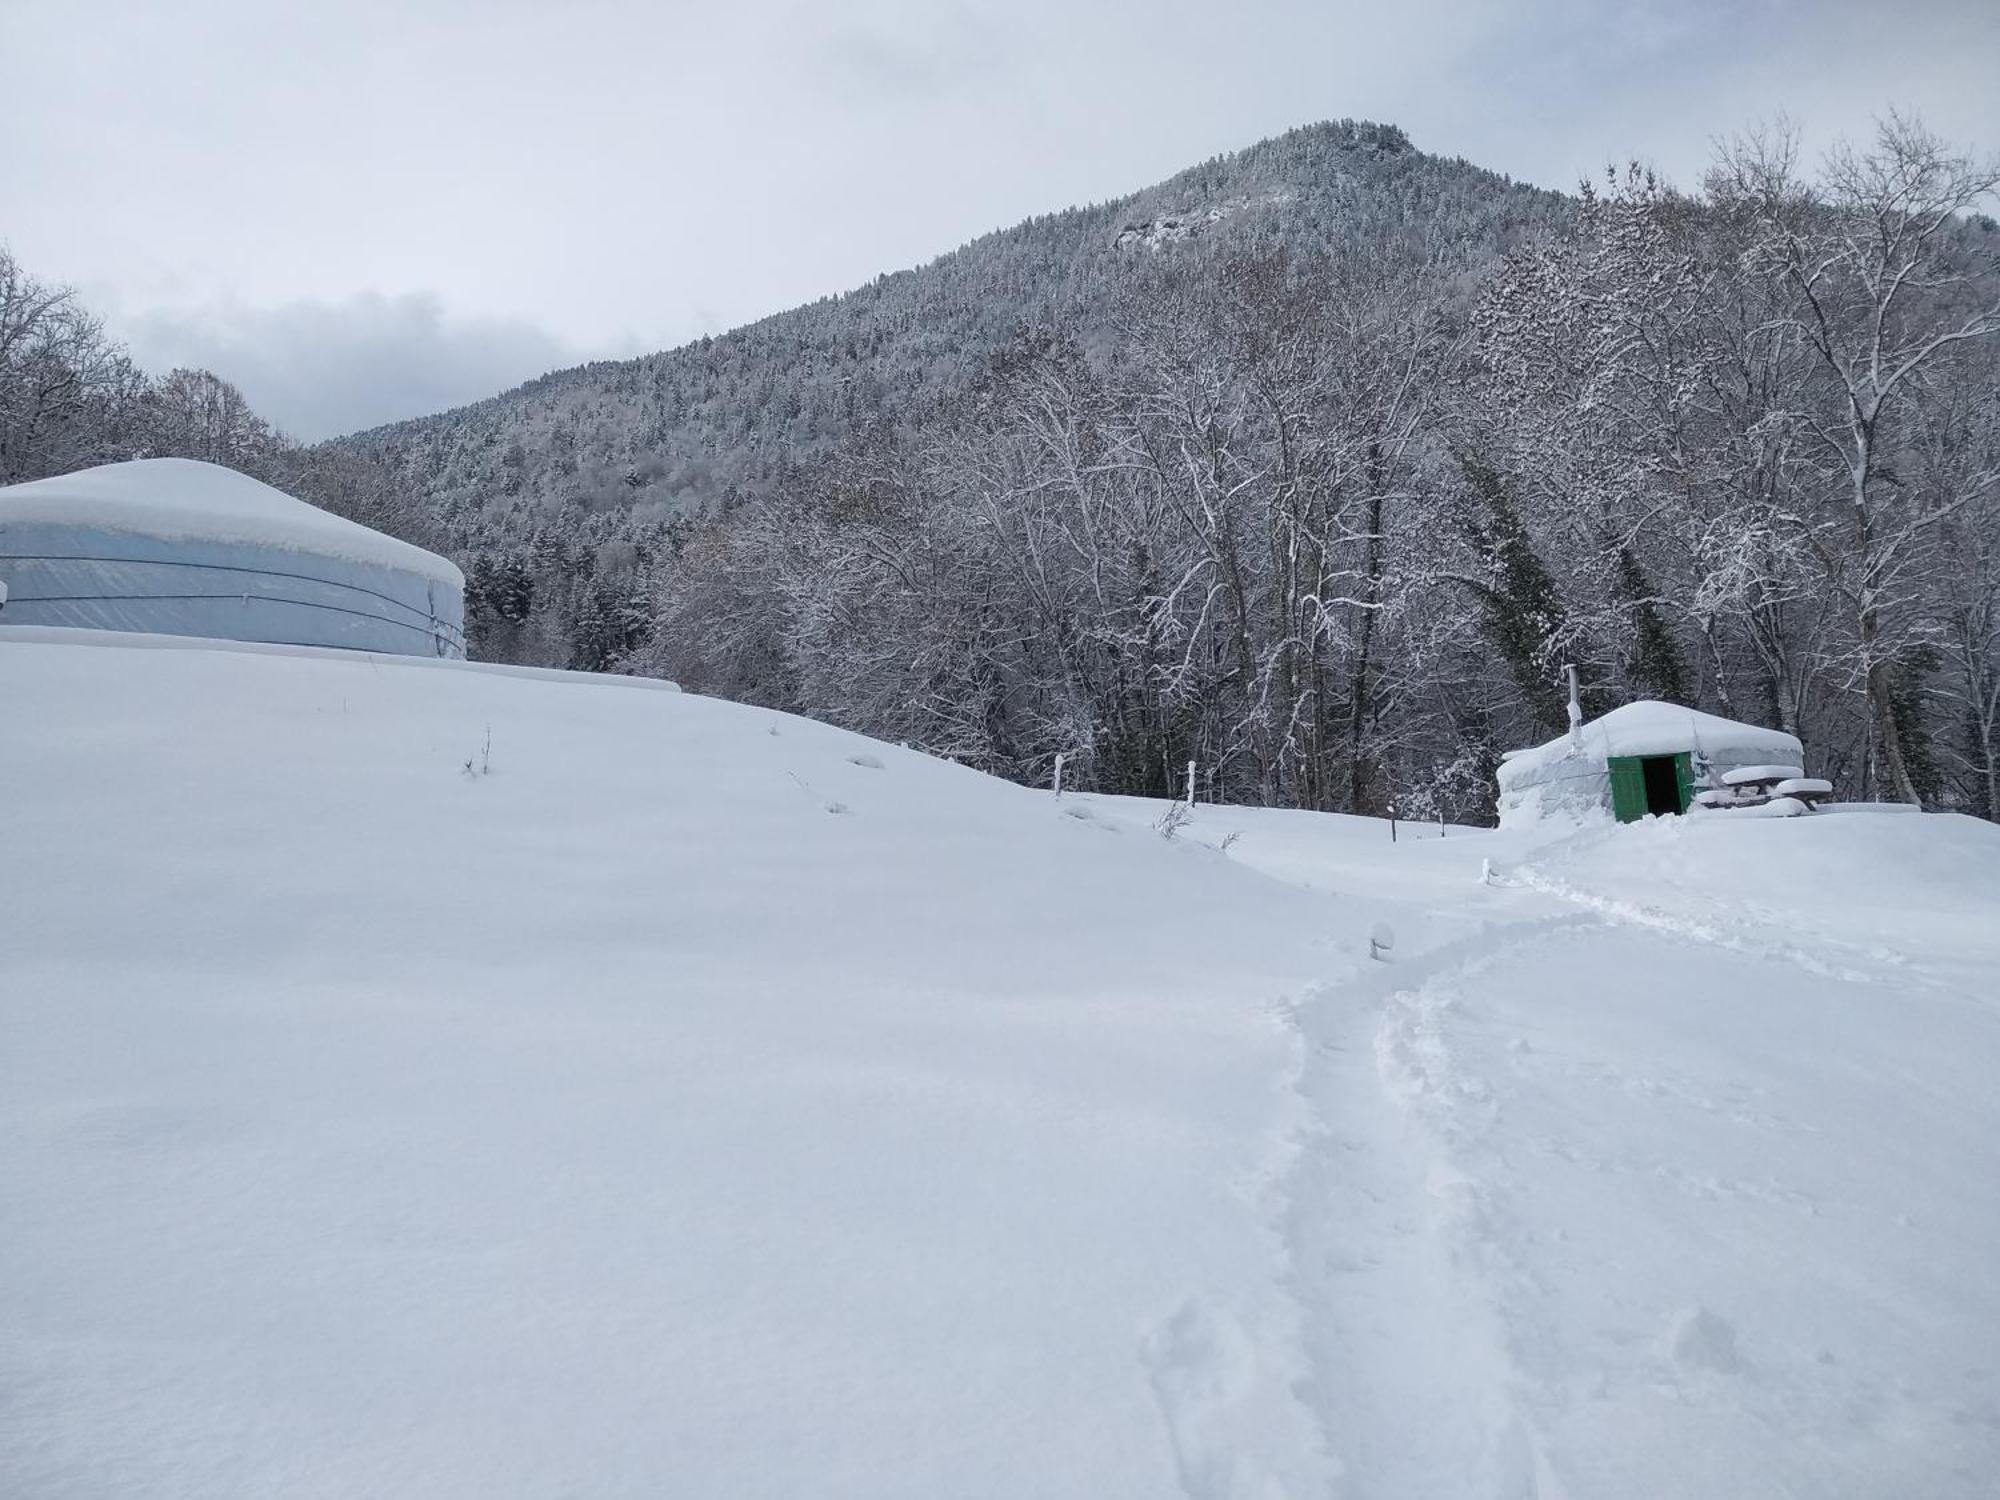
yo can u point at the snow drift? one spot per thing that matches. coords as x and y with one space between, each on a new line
421 1080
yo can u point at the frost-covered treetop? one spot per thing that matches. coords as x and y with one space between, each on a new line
1649 727
180 499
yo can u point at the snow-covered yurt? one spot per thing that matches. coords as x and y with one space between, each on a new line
176 547
1645 758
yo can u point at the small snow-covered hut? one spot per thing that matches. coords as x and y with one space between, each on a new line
176 547
1644 758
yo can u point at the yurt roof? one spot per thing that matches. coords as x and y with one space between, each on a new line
183 500
1653 728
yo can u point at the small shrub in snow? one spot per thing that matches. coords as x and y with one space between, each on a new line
1177 816
480 762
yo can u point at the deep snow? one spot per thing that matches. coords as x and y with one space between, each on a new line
684 1099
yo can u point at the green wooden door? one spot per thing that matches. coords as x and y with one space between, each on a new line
1684 774
1628 788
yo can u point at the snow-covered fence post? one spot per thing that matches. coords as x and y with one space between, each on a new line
1059 761
1190 784
1392 820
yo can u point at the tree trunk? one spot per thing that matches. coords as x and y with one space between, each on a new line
1885 747
1718 678
1360 689
1989 757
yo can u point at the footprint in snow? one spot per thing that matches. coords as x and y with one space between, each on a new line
868 762
1699 1340
1237 1429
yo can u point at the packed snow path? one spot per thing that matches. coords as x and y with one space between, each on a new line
1665 1165
426 1080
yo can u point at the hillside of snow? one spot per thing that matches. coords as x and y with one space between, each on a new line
422 1079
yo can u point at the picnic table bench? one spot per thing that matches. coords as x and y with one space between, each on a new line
1753 786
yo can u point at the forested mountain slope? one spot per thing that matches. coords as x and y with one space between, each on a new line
1312 466
720 419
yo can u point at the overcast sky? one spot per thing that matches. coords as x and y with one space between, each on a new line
362 211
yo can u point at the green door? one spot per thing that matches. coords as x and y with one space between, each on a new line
1629 798
1628 788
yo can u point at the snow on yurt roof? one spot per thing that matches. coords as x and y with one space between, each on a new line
181 499
1653 728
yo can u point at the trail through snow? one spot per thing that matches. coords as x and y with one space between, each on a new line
1413 1377
1661 1166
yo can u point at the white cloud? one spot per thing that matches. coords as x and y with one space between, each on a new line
317 369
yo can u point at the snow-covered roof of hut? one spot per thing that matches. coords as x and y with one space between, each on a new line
182 499
1649 727
169 546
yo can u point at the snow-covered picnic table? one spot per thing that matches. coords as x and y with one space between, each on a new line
1757 786
1760 776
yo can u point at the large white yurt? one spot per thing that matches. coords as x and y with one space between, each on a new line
176 547
1643 759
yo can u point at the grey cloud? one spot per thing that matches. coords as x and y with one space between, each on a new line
929 53
318 369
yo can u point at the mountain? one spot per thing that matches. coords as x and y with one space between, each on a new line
1315 465
719 419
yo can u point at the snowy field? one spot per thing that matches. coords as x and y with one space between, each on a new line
427 1080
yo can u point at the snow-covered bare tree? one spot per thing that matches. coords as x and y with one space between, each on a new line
197 414
65 388
1890 287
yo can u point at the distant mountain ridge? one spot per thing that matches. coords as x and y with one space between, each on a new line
698 427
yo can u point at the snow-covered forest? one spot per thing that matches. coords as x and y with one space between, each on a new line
1311 466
